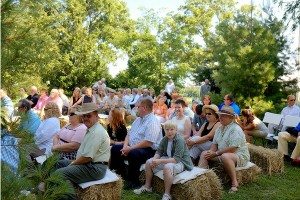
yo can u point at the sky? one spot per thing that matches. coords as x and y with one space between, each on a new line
165 6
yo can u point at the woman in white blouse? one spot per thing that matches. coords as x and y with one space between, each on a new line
49 126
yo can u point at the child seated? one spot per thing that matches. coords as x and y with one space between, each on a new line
172 156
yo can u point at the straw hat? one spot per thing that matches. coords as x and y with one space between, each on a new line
226 110
87 108
212 107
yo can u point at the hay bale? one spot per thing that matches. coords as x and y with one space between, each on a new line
107 191
205 186
269 160
243 176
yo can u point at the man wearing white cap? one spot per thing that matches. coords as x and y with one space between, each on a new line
94 152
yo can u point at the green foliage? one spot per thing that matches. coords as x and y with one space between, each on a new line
259 105
12 184
193 92
29 175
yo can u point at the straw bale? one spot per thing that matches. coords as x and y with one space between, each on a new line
243 176
107 191
205 186
269 160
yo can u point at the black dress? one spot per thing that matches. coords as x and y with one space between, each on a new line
119 135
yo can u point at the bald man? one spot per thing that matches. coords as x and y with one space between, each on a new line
33 97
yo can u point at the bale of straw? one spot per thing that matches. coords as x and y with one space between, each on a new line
243 176
269 160
107 191
205 186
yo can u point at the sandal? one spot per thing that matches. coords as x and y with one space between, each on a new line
233 189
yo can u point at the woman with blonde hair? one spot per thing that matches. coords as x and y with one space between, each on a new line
75 96
160 109
88 97
48 127
116 128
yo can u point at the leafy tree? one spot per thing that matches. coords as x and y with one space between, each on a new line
292 12
246 51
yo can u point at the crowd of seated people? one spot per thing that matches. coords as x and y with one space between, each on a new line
208 132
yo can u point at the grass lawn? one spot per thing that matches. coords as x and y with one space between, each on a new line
285 186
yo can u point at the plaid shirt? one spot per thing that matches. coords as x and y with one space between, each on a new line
9 150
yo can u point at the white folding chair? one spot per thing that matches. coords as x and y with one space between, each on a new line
291 121
275 121
272 118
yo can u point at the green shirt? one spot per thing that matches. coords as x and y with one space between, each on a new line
179 152
233 136
95 145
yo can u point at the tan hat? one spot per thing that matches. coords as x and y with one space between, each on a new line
226 110
212 107
87 108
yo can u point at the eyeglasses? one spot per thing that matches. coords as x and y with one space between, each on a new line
72 114
87 116
208 113
47 108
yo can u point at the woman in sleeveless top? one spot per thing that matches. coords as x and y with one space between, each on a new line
202 140
183 122
87 98
75 97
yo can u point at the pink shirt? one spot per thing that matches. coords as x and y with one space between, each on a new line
72 135
41 102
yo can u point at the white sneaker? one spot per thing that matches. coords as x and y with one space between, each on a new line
166 197
142 190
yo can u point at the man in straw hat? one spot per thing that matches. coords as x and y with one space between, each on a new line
94 152
229 146
140 144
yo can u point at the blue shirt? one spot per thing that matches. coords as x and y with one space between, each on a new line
9 150
145 128
30 122
234 106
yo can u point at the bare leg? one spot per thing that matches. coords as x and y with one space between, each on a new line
229 160
248 136
168 178
149 174
203 163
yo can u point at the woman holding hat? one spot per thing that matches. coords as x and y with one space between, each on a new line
202 140
68 139
228 146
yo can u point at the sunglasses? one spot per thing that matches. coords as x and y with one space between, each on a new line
87 116
47 108
208 113
72 114
292 99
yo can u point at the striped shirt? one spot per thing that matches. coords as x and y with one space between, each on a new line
145 128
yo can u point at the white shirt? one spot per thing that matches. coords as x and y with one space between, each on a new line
45 132
169 88
291 110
